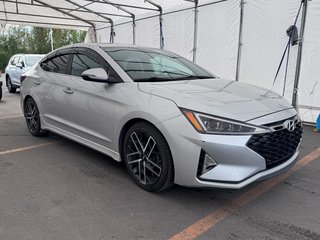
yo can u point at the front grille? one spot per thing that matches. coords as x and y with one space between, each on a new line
278 146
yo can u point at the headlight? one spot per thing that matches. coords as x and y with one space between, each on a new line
204 123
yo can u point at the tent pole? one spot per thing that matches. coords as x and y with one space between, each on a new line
95 35
195 31
98 14
69 10
124 5
161 36
160 20
242 2
112 33
119 7
68 14
133 30
299 57
51 39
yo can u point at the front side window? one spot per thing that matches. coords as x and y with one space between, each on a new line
57 64
12 60
83 62
155 65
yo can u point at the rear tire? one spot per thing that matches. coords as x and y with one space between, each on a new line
32 115
0 93
11 88
148 158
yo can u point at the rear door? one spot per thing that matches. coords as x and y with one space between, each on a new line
91 104
53 78
77 106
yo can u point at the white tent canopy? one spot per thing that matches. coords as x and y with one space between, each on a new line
206 31
79 14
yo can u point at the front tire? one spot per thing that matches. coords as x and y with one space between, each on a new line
11 88
31 113
148 158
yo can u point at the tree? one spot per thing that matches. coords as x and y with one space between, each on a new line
40 40
36 40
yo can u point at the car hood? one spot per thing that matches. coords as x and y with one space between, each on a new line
219 97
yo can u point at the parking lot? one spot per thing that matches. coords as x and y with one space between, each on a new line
53 188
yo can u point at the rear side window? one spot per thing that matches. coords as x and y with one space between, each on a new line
83 62
58 64
16 60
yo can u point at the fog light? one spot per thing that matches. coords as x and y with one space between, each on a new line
206 163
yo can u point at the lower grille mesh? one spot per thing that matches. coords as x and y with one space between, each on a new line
276 147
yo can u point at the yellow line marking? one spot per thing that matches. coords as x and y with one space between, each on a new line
230 208
26 148
8 117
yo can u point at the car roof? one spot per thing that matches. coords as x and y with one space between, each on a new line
102 45
23 54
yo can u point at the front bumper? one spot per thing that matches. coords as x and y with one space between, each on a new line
238 165
264 174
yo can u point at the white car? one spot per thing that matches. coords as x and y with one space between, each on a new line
168 119
19 64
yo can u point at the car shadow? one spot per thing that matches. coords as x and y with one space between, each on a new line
105 171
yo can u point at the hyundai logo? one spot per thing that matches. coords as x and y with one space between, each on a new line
290 125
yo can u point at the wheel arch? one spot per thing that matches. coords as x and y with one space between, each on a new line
25 100
126 127
124 130
6 78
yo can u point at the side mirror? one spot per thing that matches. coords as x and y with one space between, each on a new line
97 75
19 65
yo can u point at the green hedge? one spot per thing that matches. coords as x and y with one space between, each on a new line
4 59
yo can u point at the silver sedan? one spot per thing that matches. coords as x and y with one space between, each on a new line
168 119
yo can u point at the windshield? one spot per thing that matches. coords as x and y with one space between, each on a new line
145 65
31 60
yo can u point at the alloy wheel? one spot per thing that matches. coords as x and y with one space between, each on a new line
11 89
32 117
143 157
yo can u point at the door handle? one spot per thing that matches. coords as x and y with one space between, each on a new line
68 90
37 82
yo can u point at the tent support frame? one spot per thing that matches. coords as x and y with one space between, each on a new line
195 31
299 56
123 5
242 2
44 24
160 20
98 14
62 8
47 16
71 15
128 12
134 30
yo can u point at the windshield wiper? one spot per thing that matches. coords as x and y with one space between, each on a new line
193 77
152 79
159 79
